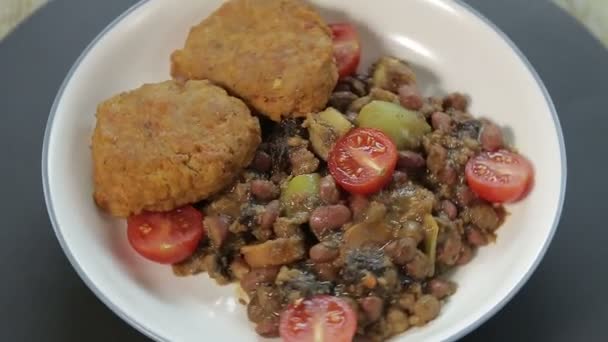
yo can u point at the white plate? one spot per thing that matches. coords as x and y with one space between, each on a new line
453 48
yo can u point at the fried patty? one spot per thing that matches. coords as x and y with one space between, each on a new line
276 55
165 145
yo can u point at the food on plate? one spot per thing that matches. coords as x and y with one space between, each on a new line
361 210
342 212
166 145
277 55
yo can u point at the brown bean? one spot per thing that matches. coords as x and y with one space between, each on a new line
491 137
330 217
262 161
358 205
270 214
328 191
258 276
427 308
322 252
475 237
440 288
410 160
441 121
401 251
449 209
409 97
217 229
466 254
456 101
264 190
372 307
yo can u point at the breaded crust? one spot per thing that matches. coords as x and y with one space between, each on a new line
276 55
165 145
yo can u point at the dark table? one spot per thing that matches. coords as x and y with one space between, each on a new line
42 298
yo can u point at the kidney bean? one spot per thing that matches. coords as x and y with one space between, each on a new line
440 288
448 175
328 191
449 209
322 252
457 101
270 214
491 138
410 160
341 100
262 161
258 276
372 307
326 271
409 97
449 250
264 190
217 229
475 237
412 229
399 177
485 217
419 267
328 217
464 195
466 254
401 251
268 328
441 121
358 205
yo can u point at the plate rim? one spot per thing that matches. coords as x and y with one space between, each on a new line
149 333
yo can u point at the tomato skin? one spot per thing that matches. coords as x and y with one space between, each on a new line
347 48
327 317
166 237
363 161
500 176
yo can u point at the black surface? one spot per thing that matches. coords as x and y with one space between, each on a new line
42 298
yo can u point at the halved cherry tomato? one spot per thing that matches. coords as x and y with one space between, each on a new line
347 48
363 161
167 237
500 176
318 319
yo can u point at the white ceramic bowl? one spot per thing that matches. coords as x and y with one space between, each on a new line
452 47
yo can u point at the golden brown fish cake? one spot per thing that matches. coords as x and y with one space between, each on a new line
165 145
277 55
